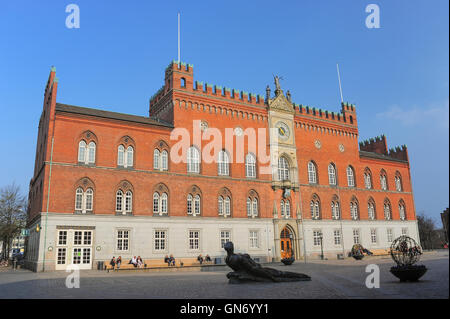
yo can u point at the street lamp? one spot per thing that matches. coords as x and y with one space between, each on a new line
321 246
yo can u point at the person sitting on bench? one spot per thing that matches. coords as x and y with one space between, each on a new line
207 258
167 260
171 261
200 259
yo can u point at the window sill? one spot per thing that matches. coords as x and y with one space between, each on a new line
122 214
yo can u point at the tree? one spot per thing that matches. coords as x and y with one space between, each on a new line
12 216
429 235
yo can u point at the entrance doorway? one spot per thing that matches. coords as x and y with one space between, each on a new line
286 248
74 247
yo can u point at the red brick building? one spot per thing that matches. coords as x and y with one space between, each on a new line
108 184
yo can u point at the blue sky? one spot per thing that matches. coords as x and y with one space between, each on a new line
396 75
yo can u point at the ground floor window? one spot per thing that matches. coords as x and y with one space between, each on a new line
373 235
194 239
356 236
160 239
61 256
390 235
225 236
254 239
317 236
337 236
123 240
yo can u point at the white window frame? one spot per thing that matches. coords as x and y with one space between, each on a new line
223 164
356 236
86 152
317 237
84 200
123 239
225 236
283 169
250 166
335 210
337 237
312 173
194 241
160 240
373 236
332 175
253 237
350 177
125 157
193 160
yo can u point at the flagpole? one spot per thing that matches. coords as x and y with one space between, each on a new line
340 87
179 58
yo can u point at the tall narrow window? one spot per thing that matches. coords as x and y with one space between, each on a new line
164 203
220 205
285 208
387 210
371 210
194 239
91 153
283 169
121 155
156 156
197 204
79 199
82 151
193 160
315 207
350 177
398 183
356 236
189 204
354 212
250 166
223 164
335 210
367 179
129 156
254 239
383 180
128 201
89 199
164 160
119 201
312 173
332 174
401 210
373 235
155 203
227 208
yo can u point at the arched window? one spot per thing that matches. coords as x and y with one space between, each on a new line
86 152
285 208
129 156
183 82
82 151
398 182
125 159
120 155
164 160
350 177
91 153
89 195
383 180
224 203
387 210
354 210
193 160
124 199
371 209
156 158
119 201
332 174
155 203
223 164
283 169
401 210
312 173
79 199
314 206
367 179
335 208
194 201
189 204
84 196
197 205
252 204
250 166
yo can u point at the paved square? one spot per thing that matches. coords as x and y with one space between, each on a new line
330 279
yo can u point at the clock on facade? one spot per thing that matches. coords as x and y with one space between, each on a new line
283 130
238 131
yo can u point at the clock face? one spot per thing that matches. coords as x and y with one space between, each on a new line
283 130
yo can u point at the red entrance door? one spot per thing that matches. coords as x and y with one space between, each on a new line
286 244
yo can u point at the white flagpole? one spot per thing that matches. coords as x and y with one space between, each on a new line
179 59
340 87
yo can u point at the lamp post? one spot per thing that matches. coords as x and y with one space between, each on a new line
292 245
321 246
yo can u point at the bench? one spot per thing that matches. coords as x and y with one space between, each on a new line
380 252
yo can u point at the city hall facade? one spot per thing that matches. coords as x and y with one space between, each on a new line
110 184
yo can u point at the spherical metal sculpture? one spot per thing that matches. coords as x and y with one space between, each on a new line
406 252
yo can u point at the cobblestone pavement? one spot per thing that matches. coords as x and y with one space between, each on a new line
330 279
